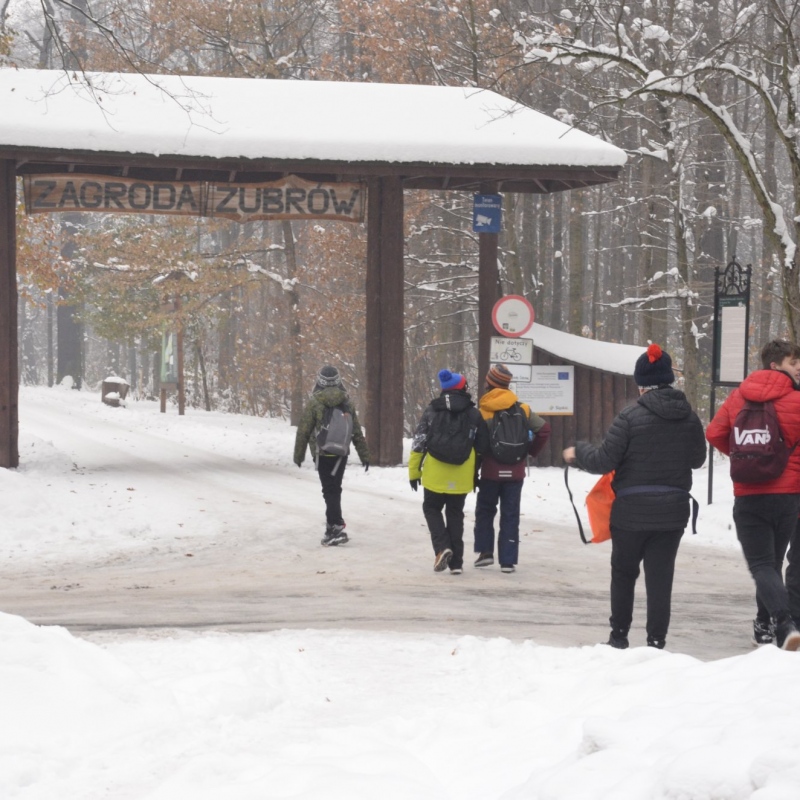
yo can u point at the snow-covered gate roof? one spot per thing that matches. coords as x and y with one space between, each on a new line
432 136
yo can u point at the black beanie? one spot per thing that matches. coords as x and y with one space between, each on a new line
653 367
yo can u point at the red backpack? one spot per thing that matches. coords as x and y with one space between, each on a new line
758 451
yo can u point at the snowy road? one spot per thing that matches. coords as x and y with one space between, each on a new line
203 522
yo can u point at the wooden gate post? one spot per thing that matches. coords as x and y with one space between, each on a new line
9 370
385 347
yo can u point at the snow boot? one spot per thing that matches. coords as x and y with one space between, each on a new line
334 535
763 632
618 639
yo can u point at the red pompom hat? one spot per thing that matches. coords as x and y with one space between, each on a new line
653 367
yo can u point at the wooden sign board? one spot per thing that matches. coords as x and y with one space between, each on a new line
289 198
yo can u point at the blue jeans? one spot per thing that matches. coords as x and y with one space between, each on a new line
508 494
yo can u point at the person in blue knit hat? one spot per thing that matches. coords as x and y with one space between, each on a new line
450 437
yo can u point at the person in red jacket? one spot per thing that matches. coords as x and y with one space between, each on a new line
502 482
765 514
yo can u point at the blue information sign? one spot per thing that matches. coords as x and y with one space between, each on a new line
487 213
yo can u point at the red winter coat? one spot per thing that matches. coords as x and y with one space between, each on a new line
760 386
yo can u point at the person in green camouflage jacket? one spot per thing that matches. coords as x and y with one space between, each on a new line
329 392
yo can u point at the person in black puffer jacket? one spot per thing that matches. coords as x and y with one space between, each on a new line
652 446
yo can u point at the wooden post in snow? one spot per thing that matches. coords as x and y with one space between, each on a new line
9 369
385 346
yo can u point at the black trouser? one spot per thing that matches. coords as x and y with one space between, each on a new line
451 533
657 549
331 472
793 575
764 525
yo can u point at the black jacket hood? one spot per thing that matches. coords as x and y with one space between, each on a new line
667 403
453 400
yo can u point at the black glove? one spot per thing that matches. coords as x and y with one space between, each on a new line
366 466
414 484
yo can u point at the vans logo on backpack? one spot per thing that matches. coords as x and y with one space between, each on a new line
758 451
755 436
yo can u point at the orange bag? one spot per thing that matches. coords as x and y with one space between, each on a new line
598 504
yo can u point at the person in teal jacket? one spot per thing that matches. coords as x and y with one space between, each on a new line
446 485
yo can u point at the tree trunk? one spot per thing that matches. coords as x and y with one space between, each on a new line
295 330
577 263
557 256
70 331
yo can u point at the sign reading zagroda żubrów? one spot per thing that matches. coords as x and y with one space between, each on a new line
289 198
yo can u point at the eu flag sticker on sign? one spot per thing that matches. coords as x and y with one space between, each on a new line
563 376
487 213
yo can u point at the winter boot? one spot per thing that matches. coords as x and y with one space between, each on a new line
618 639
787 636
334 535
763 632
659 644
327 539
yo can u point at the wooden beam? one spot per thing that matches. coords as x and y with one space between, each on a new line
9 381
385 346
535 178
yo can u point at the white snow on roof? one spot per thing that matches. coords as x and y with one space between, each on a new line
607 356
255 118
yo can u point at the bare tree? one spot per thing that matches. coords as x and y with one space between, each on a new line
622 37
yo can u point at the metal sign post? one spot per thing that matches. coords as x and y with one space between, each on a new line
730 337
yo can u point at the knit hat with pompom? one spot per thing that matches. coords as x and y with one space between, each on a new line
451 380
653 367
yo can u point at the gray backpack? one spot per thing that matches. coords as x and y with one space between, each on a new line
336 432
